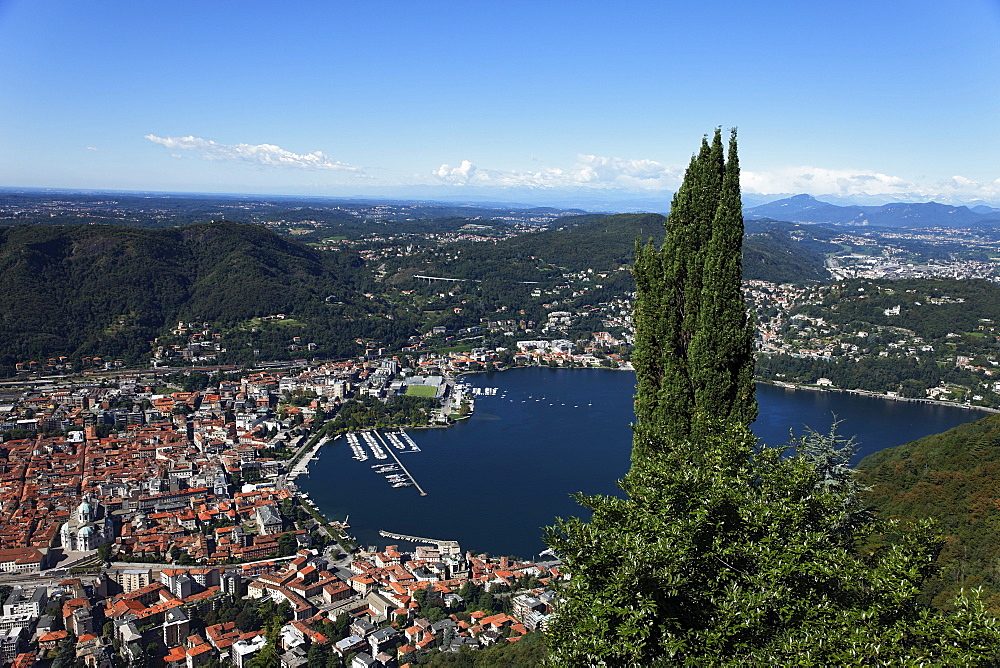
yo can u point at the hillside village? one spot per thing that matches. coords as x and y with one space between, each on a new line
912 340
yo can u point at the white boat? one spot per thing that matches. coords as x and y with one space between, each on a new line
374 445
356 447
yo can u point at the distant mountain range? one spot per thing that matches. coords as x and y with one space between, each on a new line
808 209
438 202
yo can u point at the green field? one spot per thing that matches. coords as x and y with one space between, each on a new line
464 348
261 322
427 391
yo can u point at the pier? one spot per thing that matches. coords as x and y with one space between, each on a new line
447 547
408 474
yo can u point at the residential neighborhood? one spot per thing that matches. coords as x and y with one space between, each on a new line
383 608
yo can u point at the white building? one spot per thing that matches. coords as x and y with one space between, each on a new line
88 528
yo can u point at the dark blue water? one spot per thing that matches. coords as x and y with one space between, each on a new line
494 480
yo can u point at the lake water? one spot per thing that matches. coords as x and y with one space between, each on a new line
494 480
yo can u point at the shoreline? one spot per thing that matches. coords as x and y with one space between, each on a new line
301 464
782 384
877 395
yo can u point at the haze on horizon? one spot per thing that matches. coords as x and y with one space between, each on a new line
551 103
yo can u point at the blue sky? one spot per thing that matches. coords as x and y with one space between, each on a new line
524 100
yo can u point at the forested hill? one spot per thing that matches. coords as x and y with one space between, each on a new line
590 241
608 241
109 291
772 255
955 478
769 252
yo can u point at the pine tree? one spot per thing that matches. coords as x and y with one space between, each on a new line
693 355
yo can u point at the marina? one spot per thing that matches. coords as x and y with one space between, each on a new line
395 441
406 437
409 480
356 447
373 443
381 443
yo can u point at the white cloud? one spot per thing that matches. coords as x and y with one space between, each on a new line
846 183
817 180
93 148
591 171
959 188
260 155
595 168
461 174
643 175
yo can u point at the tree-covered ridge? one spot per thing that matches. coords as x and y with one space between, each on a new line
110 291
954 478
605 242
772 255
931 307
84 291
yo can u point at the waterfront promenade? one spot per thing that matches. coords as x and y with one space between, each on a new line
302 464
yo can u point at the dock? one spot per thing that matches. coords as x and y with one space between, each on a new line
413 446
447 547
408 474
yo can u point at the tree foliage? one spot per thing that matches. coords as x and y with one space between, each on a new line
734 554
693 354
954 477
95 290
527 652
724 551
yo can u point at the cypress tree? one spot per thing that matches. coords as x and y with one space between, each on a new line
693 352
721 350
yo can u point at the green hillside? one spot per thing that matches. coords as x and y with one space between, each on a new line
100 290
607 242
953 477
111 290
